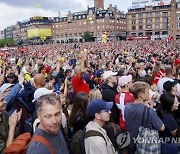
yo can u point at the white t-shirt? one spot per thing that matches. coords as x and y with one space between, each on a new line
161 83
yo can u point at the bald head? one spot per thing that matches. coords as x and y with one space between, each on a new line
39 80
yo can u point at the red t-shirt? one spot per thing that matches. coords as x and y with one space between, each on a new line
121 100
80 85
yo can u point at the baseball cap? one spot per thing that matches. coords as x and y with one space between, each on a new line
167 86
123 80
97 105
99 72
5 86
40 92
107 74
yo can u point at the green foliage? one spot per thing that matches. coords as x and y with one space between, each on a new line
88 37
6 42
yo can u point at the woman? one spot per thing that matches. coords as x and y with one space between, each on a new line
169 103
95 94
78 117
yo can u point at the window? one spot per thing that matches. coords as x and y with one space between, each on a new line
140 21
133 22
157 14
79 17
149 14
148 21
165 13
133 27
140 15
133 16
165 26
165 20
157 19
157 26
140 27
148 26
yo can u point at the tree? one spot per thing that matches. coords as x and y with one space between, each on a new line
88 37
6 42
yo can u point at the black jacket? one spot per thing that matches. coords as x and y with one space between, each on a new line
108 94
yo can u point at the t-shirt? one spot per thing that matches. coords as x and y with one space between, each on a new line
170 125
121 100
133 116
161 83
57 141
80 85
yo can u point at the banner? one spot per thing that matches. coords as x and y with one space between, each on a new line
39 32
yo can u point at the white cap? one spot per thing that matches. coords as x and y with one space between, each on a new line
107 74
40 92
123 80
5 86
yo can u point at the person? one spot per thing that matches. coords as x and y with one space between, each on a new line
99 113
95 94
168 77
109 92
49 112
7 124
171 87
133 112
168 104
124 97
78 82
78 117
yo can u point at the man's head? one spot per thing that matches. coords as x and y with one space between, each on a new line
49 112
39 80
6 88
140 90
170 86
99 110
125 82
110 77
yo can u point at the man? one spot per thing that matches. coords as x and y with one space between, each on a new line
99 112
133 112
78 81
7 124
49 111
168 77
124 97
109 92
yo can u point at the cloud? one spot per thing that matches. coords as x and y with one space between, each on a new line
18 10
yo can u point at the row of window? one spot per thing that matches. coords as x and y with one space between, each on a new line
149 14
149 20
157 26
91 22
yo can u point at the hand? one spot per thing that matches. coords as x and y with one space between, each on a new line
82 56
13 119
21 78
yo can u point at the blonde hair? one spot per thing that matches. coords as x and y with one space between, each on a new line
138 87
94 94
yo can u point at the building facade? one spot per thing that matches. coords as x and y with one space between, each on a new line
158 20
95 20
8 32
34 30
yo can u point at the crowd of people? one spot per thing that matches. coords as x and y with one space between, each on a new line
106 89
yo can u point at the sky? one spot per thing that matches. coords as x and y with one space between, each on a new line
12 11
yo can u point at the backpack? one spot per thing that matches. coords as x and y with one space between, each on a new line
77 143
20 144
148 138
